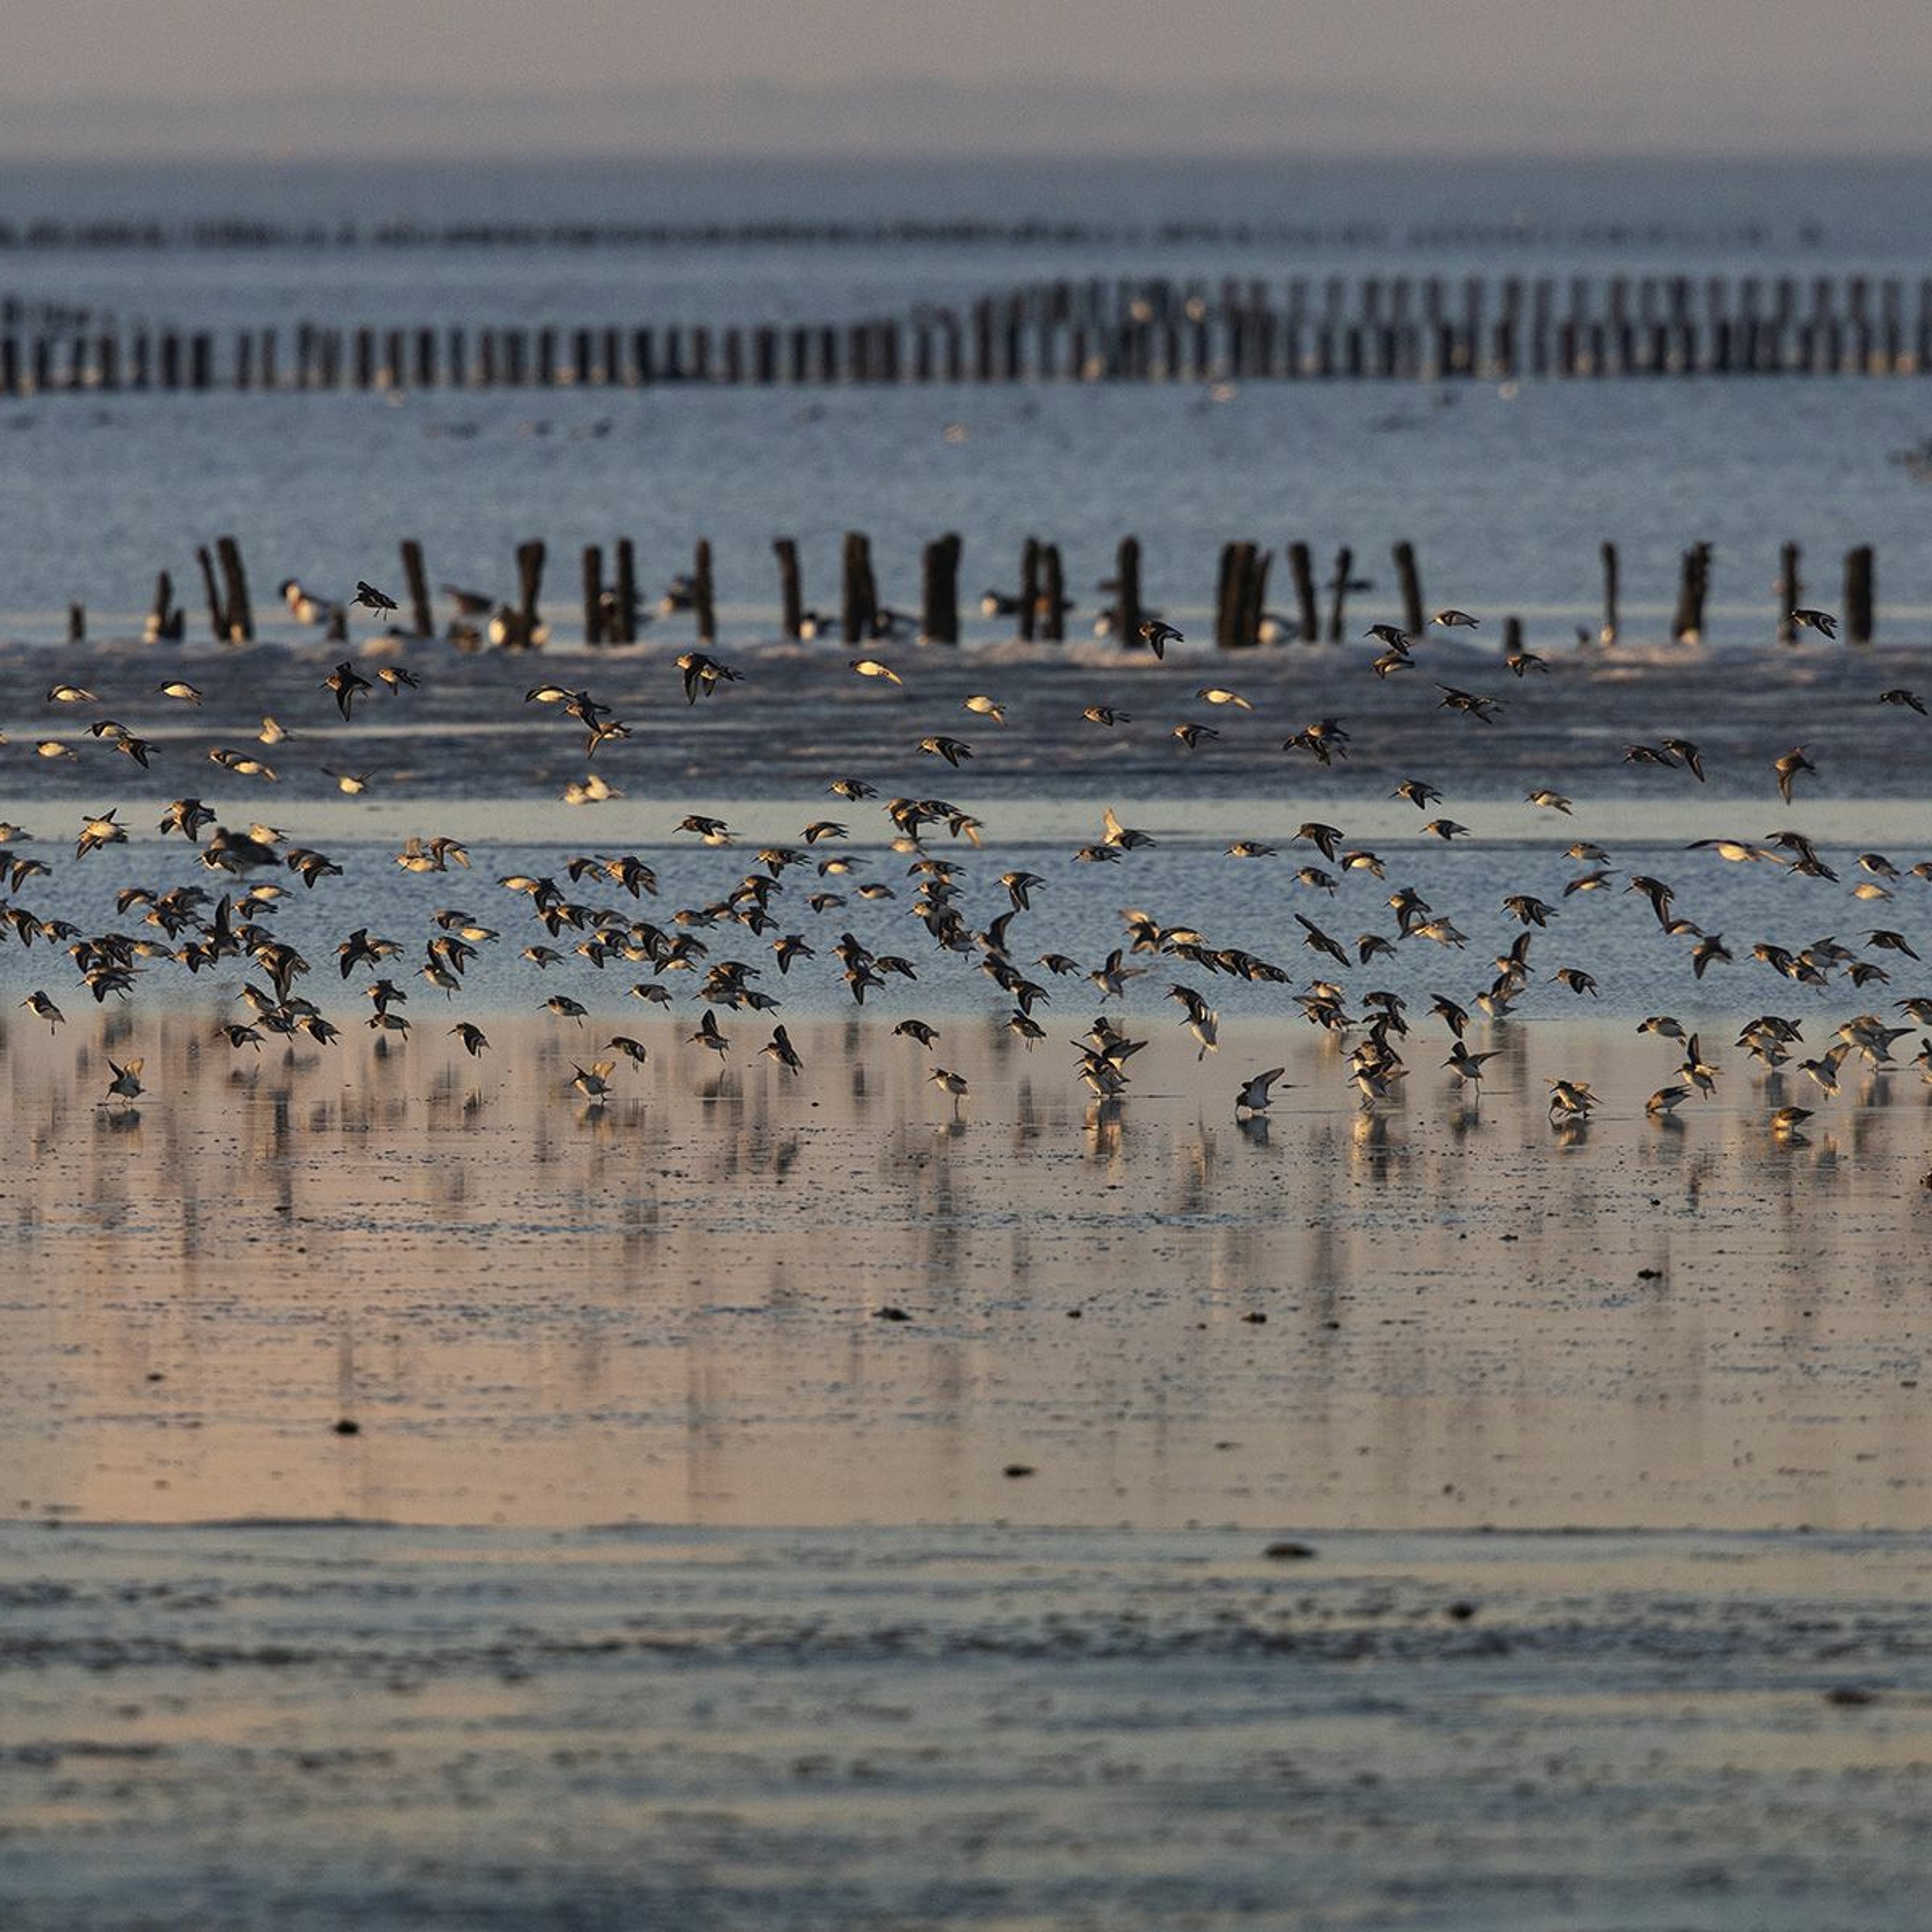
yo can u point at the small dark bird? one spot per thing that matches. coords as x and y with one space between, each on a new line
345 681
370 598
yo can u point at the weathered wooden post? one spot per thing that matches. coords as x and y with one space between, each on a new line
1301 568
237 619
626 606
1512 636
76 623
1413 615
1861 619
166 619
1053 596
1693 586
1607 632
704 594
529 581
1029 609
1228 576
939 591
858 601
1127 592
217 618
791 596
1790 592
1345 563
595 630
422 616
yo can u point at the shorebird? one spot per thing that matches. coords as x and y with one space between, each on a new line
1254 1097
370 598
1666 1101
1909 700
126 1084
346 683
1453 619
779 1048
472 1036
1823 621
594 1083
37 1003
1157 636
954 1084
1787 769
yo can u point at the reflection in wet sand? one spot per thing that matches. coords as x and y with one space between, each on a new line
668 1306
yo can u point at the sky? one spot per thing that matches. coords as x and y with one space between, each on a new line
117 79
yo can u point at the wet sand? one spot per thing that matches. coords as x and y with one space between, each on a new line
312 1728
734 1296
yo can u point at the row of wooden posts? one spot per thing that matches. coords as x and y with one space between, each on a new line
1038 606
1425 329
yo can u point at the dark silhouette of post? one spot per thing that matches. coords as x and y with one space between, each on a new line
1694 584
791 598
859 595
704 594
218 618
1127 591
1790 592
624 609
529 583
939 591
595 628
1052 595
1029 609
238 620
1301 568
1344 564
422 614
1607 632
1861 615
1410 578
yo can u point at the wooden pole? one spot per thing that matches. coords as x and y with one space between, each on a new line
791 596
76 623
218 618
1053 596
859 600
594 613
237 619
1607 633
1861 620
939 591
1693 584
1344 564
626 612
422 616
1301 568
1790 592
1127 592
1413 615
529 581
1224 574
704 594
166 619
1029 609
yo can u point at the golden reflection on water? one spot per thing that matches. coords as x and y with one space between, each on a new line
668 1305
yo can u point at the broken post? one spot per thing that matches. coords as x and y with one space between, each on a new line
1345 563
237 619
624 609
530 580
1607 632
1029 609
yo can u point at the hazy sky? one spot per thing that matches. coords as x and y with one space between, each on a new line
1365 76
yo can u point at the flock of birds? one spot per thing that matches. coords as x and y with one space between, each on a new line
187 925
